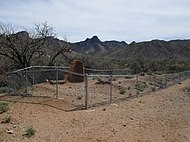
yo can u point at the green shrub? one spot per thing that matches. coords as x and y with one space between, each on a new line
157 73
114 79
149 73
153 88
7 119
122 91
142 74
4 89
128 88
30 132
99 79
141 86
187 89
3 107
79 97
129 77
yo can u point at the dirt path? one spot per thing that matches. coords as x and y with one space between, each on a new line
163 116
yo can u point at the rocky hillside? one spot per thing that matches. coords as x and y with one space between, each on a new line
159 49
96 47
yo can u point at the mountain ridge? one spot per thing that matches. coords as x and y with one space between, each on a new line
158 49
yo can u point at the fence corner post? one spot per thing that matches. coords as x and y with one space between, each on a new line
57 75
111 79
26 75
86 91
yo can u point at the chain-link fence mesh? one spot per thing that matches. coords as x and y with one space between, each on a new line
98 88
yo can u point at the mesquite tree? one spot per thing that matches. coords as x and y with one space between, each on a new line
24 48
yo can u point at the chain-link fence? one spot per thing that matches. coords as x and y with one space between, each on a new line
33 81
109 88
99 86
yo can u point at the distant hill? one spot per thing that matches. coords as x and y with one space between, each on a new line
158 49
96 47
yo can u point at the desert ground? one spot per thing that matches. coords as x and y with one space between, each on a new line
161 116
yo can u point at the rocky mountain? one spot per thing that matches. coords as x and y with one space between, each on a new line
96 47
158 49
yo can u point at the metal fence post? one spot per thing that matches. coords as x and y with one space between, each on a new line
155 82
57 73
166 80
111 79
173 79
26 82
9 84
137 79
86 91
33 76
32 80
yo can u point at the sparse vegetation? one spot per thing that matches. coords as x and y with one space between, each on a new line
4 89
153 88
129 77
79 97
99 79
3 107
142 74
30 132
141 86
187 89
7 119
122 91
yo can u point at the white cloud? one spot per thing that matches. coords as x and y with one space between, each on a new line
114 19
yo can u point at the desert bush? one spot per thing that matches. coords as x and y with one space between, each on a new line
128 88
7 119
141 86
4 89
187 89
3 107
122 91
79 97
153 89
30 132
129 77
142 74
149 73
99 79
158 73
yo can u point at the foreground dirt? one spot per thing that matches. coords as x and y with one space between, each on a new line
162 116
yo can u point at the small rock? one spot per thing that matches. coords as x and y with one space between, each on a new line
104 109
9 131
131 118
115 105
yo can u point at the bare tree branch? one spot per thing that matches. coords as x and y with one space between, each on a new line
23 49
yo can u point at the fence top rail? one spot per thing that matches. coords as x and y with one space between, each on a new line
20 70
60 67
97 75
99 70
86 69
74 73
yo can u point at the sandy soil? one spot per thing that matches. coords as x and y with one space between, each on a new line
163 116
97 93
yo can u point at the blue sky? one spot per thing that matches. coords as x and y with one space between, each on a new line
123 20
